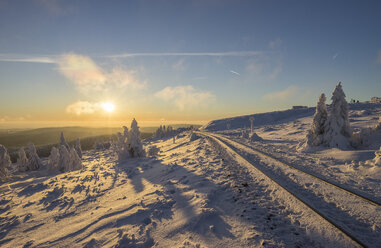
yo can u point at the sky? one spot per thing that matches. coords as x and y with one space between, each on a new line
165 62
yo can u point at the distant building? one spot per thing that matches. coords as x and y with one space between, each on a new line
375 100
299 107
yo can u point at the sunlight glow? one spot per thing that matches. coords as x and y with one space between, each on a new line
108 107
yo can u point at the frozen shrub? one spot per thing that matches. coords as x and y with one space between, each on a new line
5 161
64 160
64 163
76 163
135 145
78 148
63 141
153 151
316 133
34 159
22 161
337 131
54 159
163 132
129 144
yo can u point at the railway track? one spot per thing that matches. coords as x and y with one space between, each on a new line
354 215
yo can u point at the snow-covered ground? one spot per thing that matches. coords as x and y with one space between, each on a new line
195 193
283 131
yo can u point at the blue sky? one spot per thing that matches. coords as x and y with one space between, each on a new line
181 61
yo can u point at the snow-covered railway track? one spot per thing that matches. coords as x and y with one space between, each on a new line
368 198
355 216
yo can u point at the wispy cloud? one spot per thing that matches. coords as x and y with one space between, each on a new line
335 56
185 96
82 71
234 72
88 76
283 95
82 107
210 54
26 59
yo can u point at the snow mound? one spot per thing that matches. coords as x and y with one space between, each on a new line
254 137
192 136
259 119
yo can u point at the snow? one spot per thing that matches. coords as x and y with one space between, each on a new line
34 159
195 192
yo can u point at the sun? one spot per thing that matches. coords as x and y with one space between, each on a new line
108 107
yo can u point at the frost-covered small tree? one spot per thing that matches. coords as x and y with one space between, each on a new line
64 163
315 134
76 163
63 141
78 148
34 159
22 161
54 159
135 146
337 131
5 161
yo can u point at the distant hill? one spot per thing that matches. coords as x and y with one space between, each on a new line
15 138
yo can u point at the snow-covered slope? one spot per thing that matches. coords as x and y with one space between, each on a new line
276 117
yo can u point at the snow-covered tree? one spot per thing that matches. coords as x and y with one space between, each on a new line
54 159
34 159
125 132
64 163
129 145
315 134
22 161
135 145
5 161
63 141
76 163
337 131
78 148
163 132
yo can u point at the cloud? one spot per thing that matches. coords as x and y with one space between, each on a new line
88 76
82 71
335 56
283 95
234 72
32 59
122 78
379 57
83 107
185 96
210 54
